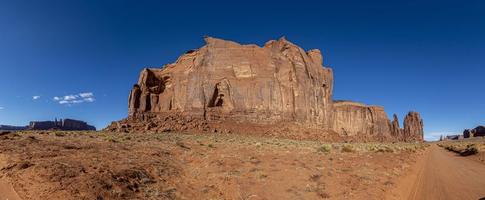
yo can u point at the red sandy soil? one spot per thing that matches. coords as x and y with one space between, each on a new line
441 174
97 165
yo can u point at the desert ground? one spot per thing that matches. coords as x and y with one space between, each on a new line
448 170
101 165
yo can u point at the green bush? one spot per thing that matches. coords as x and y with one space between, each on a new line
348 148
325 148
372 148
60 134
110 138
470 150
385 149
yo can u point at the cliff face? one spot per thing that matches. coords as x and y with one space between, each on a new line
223 79
413 127
246 88
356 119
396 131
66 124
478 131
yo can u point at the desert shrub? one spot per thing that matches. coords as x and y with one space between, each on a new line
470 150
413 148
181 144
111 139
348 148
325 148
60 134
385 149
258 144
372 148
453 148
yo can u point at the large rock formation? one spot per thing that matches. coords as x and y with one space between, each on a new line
467 134
364 122
413 127
478 131
12 128
359 120
226 86
62 124
396 131
223 79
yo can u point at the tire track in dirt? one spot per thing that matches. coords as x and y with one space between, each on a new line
440 174
6 190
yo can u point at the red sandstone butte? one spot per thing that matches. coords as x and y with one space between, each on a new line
278 89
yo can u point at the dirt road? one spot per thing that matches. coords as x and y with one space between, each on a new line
443 175
7 192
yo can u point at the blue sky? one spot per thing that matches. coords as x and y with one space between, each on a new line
427 56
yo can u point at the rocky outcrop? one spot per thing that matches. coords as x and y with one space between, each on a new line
453 137
359 120
228 87
413 127
12 128
478 131
396 131
226 80
66 124
366 123
466 133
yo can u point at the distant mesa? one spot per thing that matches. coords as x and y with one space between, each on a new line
278 89
453 137
12 128
478 131
62 124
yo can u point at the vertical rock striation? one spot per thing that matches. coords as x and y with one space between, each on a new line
361 121
413 127
396 131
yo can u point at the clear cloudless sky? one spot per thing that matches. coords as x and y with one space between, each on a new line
427 56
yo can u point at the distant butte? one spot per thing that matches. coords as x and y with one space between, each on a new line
62 124
275 90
